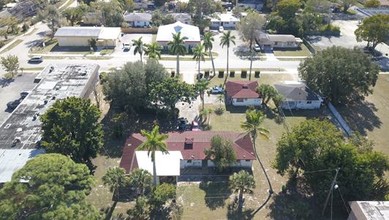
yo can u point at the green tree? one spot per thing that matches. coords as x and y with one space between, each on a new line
329 69
287 9
141 180
74 15
225 41
177 47
71 127
374 30
241 182
10 64
318 145
130 87
162 92
11 23
153 50
199 55
112 12
162 194
201 86
52 17
372 3
198 8
155 141
139 48
208 45
115 178
221 152
347 4
141 210
250 27
54 187
267 92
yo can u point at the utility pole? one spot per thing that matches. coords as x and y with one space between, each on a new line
330 192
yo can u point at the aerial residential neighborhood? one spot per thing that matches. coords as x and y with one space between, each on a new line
194 109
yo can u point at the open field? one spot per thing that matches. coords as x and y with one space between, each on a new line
370 117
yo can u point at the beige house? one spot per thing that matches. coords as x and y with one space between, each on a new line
80 36
278 41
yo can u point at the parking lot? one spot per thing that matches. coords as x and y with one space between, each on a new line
10 90
127 39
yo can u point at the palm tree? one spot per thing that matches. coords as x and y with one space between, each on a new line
139 47
154 142
207 42
226 40
201 86
242 182
252 125
153 50
198 54
115 178
177 47
141 180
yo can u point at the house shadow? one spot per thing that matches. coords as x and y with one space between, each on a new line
361 116
4 82
216 193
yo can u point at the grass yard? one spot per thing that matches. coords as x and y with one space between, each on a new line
370 117
303 51
264 78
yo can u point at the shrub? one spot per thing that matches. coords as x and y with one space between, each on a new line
372 3
330 30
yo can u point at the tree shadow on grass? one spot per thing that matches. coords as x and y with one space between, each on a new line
361 116
5 81
234 214
216 193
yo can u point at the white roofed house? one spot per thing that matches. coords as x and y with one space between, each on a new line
190 32
136 19
80 36
226 20
298 96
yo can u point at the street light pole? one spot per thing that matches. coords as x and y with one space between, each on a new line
330 192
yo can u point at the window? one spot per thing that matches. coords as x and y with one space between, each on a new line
309 102
189 161
239 100
247 160
276 43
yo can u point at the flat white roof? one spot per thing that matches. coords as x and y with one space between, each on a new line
108 33
166 164
373 210
165 32
226 17
12 160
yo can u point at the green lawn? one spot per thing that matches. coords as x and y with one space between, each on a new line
303 51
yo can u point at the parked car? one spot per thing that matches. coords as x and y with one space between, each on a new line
257 48
36 59
24 94
13 104
183 124
221 28
126 47
195 126
216 90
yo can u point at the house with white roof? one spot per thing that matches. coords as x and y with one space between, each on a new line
137 19
80 36
225 20
190 32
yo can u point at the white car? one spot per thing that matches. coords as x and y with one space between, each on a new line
221 28
126 47
257 48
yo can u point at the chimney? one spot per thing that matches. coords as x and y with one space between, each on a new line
188 143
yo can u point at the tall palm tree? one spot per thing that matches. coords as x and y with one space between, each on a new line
177 47
141 180
155 141
199 55
139 47
242 182
153 50
115 178
252 125
208 45
201 86
226 40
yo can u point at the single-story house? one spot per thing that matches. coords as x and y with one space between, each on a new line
190 32
298 96
186 149
278 41
242 93
182 17
137 19
225 20
80 36
368 210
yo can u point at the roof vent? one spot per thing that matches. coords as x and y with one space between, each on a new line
188 143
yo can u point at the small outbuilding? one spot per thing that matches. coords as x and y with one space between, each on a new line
81 36
189 32
298 96
242 93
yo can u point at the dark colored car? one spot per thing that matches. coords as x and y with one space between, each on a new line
183 124
24 94
36 59
13 104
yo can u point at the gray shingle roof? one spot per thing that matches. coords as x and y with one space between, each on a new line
296 92
78 32
137 17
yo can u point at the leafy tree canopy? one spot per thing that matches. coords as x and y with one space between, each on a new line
288 8
250 26
221 152
56 188
71 127
318 145
329 69
10 64
374 30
